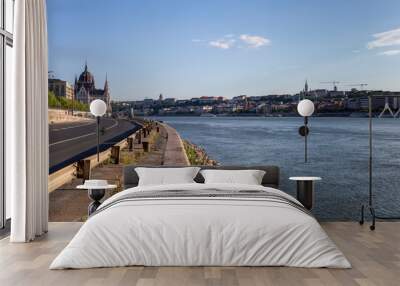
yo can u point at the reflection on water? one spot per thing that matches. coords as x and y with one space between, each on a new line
338 152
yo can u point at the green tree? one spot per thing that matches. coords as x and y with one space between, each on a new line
53 100
64 103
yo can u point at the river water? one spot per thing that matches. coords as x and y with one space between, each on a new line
338 152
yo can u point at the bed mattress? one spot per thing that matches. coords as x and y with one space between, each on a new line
201 225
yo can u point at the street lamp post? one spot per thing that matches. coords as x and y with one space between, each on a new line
305 108
98 108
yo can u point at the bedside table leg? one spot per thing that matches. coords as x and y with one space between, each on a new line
305 193
93 207
96 196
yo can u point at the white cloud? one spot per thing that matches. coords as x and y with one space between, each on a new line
385 39
254 41
196 40
390 53
224 43
230 40
356 51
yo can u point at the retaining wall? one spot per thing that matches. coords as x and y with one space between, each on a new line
61 115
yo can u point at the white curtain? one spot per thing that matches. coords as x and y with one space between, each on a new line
27 124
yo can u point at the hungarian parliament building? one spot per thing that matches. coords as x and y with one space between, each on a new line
85 90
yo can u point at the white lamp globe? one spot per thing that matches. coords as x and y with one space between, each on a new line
305 107
98 107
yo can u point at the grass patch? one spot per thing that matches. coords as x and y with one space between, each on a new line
197 155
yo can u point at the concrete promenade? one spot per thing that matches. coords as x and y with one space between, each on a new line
175 154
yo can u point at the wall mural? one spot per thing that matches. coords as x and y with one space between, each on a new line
226 77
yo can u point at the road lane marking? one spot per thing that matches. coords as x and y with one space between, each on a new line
82 136
70 127
71 139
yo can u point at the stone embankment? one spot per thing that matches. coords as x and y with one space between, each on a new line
197 155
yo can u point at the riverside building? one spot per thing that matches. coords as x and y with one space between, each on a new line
86 91
61 88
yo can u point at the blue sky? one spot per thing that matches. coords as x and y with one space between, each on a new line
186 49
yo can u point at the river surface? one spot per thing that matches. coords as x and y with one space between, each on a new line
338 152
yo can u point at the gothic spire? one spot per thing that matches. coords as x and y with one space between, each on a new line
106 83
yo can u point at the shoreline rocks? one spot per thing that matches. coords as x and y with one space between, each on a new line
197 155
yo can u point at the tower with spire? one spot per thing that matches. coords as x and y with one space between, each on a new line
86 91
303 93
106 94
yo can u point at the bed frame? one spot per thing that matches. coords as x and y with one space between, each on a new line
271 177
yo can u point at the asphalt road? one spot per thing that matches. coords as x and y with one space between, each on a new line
72 141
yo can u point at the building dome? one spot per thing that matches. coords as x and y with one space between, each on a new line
86 76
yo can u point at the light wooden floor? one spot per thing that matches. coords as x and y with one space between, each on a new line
375 257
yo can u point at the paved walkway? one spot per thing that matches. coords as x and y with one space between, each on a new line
175 154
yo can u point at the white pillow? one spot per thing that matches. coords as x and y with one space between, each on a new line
248 177
166 176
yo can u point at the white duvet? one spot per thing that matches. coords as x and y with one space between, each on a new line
202 232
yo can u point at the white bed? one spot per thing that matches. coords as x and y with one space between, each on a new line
200 231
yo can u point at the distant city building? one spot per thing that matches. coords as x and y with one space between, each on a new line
61 88
85 89
380 99
182 102
336 93
210 99
376 103
326 101
169 101
257 98
353 104
239 98
147 102
264 108
195 100
224 108
319 92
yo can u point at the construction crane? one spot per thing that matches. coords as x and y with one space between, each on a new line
361 85
333 82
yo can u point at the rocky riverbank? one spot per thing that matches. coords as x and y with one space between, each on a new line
197 155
